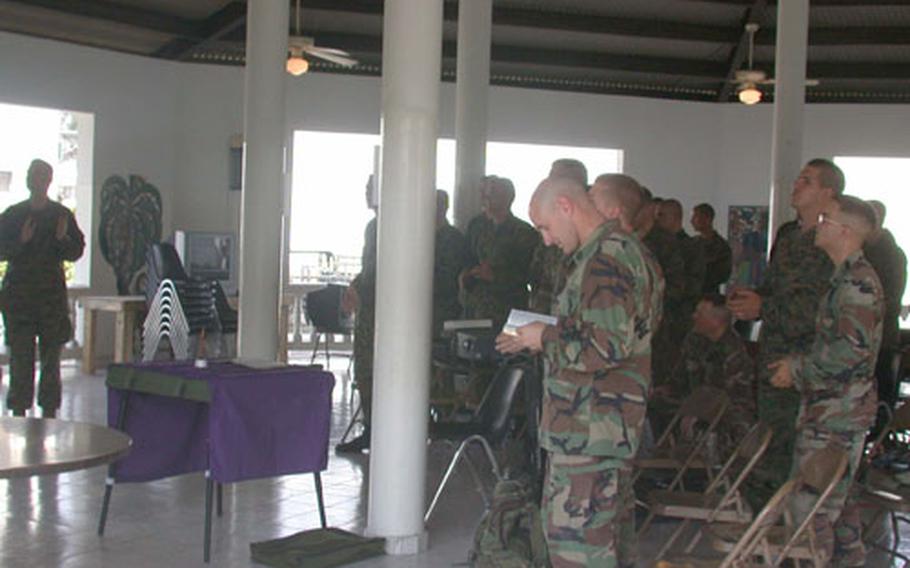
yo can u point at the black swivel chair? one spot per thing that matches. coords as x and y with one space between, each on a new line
489 427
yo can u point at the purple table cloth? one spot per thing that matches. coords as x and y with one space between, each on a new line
258 423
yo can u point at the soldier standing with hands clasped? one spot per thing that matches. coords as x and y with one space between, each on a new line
598 372
835 378
36 236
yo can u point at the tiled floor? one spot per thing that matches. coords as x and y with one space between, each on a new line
51 521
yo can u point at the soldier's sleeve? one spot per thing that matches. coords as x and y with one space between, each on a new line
10 247
601 332
73 243
852 344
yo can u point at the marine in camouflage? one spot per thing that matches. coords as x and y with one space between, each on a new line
726 365
797 277
365 286
837 392
693 257
669 335
718 261
34 299
507 248
598 368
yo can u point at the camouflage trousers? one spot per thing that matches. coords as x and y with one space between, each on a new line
51 330
838 529
588 512
778 408
363 361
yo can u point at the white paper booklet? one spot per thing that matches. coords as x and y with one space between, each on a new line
518 318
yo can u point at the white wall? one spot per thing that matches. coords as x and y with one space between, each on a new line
173 122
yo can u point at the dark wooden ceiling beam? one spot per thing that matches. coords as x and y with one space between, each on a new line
845 36
118 13
219 25
755 14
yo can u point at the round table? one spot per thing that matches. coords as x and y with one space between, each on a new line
41 446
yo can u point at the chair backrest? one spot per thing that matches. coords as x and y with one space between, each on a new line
323 309
755 536
495 408
820 473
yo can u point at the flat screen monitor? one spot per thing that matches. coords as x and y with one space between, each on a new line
209 256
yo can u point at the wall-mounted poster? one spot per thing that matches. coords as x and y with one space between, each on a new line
748 237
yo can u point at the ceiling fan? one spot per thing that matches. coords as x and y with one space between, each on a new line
298 45
748 80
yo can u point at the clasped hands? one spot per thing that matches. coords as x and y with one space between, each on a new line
28 229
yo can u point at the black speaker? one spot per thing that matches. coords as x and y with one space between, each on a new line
323 309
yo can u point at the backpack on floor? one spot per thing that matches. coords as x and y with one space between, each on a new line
510 534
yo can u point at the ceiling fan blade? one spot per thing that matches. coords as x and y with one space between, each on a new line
332 51
337 59
809 82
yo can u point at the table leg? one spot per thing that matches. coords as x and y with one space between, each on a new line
207 538
318 480
123 338
88 345
219 491
109 481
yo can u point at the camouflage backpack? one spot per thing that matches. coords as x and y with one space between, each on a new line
510 534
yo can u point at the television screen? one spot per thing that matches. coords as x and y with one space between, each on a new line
209 256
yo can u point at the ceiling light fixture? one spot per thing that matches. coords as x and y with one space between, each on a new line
749 94
296 64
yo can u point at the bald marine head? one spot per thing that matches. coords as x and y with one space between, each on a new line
563 213
617 196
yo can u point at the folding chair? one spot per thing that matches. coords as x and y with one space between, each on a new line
489 428
673 450
818 476
751 539
878 487
721 501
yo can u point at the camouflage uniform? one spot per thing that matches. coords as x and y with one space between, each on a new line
797 277
890 265
726 365
547 278
365 286
838 399
694 263
666 339
451 257
34 300
508 248
718 262
598 369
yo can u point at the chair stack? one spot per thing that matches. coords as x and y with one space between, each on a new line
178 306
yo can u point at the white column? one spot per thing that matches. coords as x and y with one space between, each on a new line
411 60
263 177
789 102
472 88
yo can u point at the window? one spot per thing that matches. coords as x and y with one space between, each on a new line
883 179
328 205
63 139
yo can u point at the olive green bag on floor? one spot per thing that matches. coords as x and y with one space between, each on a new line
318 548
510 534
